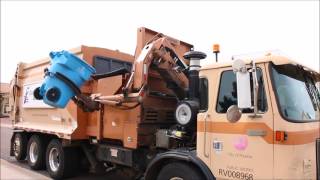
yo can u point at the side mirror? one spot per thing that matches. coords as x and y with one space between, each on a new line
243 84
233 114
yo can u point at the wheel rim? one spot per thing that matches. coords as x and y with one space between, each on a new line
33 152
16 146
176 178
54 160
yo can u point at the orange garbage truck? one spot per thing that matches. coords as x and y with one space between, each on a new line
158 114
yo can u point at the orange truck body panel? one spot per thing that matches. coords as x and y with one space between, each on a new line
133 127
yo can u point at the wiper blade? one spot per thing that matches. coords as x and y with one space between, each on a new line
305 116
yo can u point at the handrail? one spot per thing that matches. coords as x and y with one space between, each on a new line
205 135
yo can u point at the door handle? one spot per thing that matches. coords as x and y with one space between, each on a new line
256 132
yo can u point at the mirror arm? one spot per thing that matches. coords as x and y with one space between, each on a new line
255 89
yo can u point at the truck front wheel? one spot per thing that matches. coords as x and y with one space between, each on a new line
19 146
60 161
179 171
36 152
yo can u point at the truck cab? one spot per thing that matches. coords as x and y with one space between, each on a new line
259 119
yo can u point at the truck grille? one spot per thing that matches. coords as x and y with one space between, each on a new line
152 115
159 115
318 158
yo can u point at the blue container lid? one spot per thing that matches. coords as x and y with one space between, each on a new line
73 62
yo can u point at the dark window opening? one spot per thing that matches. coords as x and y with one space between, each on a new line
105 65
203 94
228 93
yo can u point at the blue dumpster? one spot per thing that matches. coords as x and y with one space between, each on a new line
64 78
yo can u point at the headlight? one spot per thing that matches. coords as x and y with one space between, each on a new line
183 114
186 112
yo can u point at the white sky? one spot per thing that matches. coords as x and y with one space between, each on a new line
30 30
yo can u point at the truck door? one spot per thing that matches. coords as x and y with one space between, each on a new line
241 150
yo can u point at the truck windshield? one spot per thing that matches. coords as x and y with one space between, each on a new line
297 96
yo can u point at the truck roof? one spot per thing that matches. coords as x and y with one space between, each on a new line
275 59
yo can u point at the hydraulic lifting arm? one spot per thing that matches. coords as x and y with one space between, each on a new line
160 55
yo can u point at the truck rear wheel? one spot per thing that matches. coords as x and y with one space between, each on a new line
179 171
61 162
20 146
36 153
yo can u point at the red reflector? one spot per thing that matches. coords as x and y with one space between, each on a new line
281 136
141 93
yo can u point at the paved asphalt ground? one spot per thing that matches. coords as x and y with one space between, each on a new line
6 133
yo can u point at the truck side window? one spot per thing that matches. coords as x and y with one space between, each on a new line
106 64
228 93
203 94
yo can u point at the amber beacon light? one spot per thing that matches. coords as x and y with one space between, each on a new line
216 50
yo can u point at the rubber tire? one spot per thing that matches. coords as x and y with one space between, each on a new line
40 162
68 164
23 146
181 170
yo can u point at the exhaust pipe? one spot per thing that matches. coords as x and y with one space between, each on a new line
194 57
187 110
